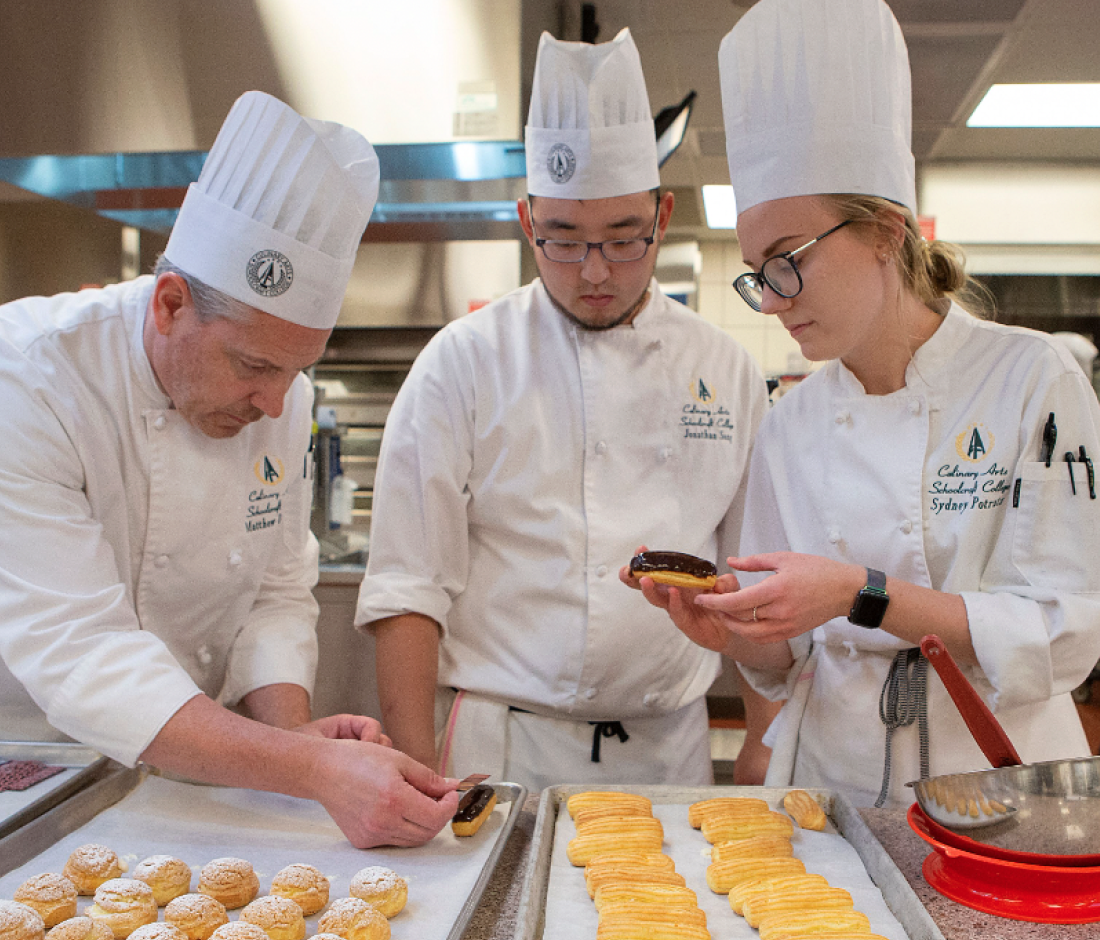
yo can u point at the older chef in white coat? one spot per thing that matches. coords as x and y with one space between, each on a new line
905 488
157 563
534 445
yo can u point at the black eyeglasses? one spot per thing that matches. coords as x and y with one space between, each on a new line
622 249
779 272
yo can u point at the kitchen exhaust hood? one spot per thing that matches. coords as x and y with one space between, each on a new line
462 190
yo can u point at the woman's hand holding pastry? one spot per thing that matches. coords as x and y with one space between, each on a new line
804 592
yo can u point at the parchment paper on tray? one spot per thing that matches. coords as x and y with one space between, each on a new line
197 824
570 912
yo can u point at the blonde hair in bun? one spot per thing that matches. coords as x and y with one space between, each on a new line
932 270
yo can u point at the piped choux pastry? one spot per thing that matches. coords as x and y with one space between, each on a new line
724 828
52 895
161 930
239 930
123 905
197 915
280 918
80 928
229 880
727 804
596 799
169 877
381 888
775 926
91 865
305 885
20 922
354 919
805 810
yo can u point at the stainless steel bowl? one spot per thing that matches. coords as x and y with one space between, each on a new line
1050 808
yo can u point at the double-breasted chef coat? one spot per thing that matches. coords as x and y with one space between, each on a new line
939 484
142 563
523 462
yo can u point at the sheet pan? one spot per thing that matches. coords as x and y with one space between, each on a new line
554 902
145 815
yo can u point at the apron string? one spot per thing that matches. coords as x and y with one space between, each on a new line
903 700
606 729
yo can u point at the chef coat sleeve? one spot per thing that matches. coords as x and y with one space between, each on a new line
1035 623
68 629
278 641
763 531
419 548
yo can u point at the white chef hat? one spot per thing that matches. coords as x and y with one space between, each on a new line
816 97
278 211
590 132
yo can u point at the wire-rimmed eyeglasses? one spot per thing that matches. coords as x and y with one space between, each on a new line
779 272
621 249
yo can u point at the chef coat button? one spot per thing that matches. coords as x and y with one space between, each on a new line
907 527
914 406
650 699
601 572
235 557
204 655
589 694
666 452
834 536
161 561
601 448
843 417
159 422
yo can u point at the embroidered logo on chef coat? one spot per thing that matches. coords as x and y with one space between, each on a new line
561 164
269 470
975 443
265 505
703 418
269 273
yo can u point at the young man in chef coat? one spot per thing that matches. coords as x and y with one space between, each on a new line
155 483
535 445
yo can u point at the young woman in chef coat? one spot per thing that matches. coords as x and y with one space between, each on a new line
904 488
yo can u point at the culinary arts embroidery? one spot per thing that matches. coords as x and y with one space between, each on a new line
704 418
265 505
975 443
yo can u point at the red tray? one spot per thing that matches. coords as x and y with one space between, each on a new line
1046 894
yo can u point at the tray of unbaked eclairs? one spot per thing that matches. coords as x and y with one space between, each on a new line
711 863
141 857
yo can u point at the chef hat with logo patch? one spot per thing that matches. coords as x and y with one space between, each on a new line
816 98
278 211
590 132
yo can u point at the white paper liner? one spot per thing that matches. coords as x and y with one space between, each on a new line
197 824
571 913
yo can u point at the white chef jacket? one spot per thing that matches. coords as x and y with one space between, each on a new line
920 483
141 563
524 461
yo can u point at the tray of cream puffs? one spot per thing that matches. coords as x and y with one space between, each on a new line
711 863
158 859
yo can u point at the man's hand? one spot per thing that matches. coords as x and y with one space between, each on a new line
380 796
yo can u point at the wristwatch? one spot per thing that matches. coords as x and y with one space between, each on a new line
871 602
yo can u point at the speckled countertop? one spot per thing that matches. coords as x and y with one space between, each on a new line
495 918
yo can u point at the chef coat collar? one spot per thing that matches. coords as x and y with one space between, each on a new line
645 319
936 354
140 295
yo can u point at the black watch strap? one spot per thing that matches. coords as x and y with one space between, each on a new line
871 602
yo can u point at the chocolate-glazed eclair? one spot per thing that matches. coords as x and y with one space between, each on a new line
474 809
675 568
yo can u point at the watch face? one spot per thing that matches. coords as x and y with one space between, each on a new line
869 609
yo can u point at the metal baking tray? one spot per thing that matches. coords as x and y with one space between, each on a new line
845 819
72 815
83 766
